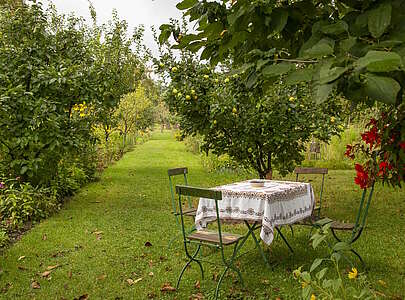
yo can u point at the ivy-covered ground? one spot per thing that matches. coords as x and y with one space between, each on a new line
110 240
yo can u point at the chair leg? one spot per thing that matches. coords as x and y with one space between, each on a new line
359 257
191 259
285 240
292 230
232 266
351 250
220 281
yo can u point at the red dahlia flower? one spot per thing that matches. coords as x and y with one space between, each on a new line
348 153
383 166
362 177
371 137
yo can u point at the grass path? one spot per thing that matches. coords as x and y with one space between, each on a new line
98 240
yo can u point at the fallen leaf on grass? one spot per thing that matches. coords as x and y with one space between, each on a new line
132 282
70 274
167 288
52 267
382 282
35 285
44 237
151 295
150 263
139 279
148 244
197 284
98 235
102 277
22 268
46 273
6 287
21 257
197 296
151 274
83 297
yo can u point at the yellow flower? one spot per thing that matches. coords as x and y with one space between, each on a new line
304 284
313 297
353 274
291 99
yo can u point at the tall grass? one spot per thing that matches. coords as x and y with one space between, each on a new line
332 154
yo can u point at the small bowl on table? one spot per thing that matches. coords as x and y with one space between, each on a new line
256 183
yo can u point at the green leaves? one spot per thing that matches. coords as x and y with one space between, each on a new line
277 69
379 19
186 4
380 61
165 31
279 19
327 74
298 76
381 88
324 47
316 264
336 28
322 92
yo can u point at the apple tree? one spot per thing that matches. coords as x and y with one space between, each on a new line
259 131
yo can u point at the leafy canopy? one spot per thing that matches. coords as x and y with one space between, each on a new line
356 47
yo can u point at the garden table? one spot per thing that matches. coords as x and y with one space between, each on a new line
276 203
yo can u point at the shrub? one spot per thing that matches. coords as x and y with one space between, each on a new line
70 177
21 202
4 239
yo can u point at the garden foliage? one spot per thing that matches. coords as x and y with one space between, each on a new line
355 46
261 129
60 80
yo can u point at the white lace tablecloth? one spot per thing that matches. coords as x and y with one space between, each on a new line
277 203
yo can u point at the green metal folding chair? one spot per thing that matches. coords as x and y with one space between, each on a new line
216 239
357 227
316 215
190 211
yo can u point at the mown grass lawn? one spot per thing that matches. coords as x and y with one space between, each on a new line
98 240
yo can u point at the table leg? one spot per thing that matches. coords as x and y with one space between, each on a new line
284 239
251 232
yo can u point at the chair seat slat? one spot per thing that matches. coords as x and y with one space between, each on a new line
213 237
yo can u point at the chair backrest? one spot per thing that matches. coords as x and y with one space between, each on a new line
190 191
314 171
362 213
174 173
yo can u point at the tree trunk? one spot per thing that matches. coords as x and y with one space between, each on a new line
269 175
